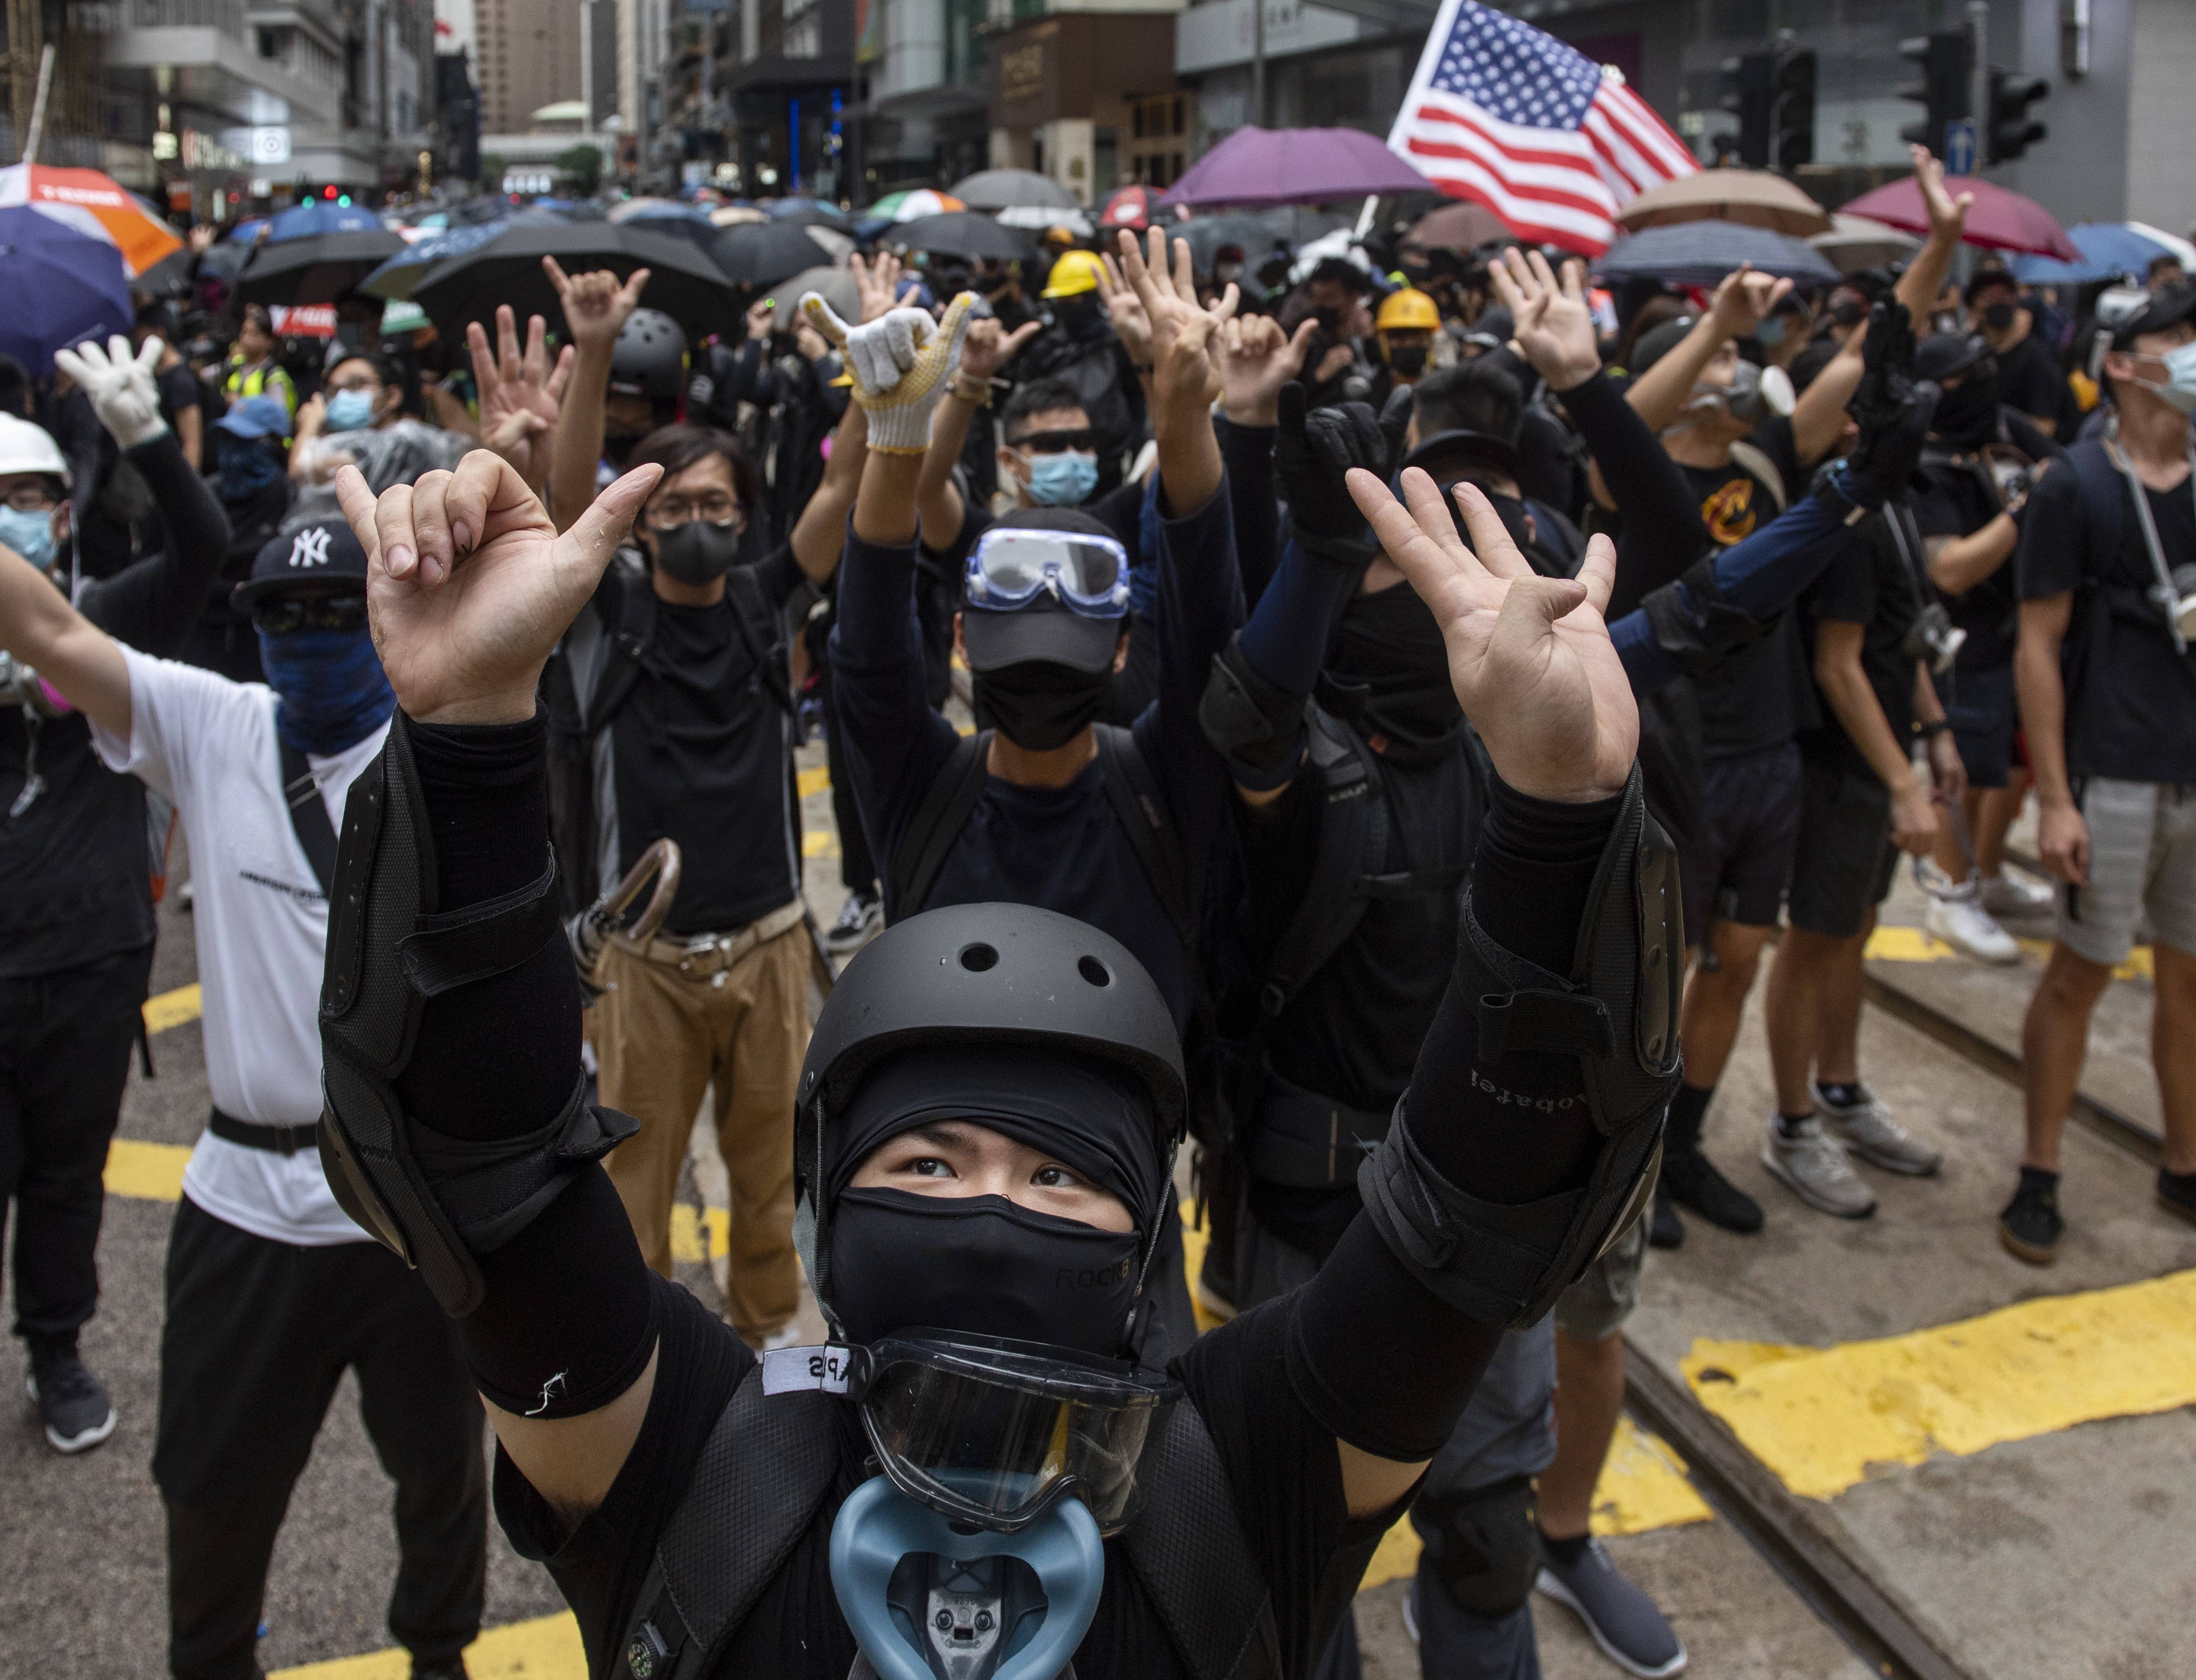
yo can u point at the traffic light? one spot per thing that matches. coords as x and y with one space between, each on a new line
1946 60
1792 110
1750 93
2012 130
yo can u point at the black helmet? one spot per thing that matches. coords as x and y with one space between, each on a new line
650 357
979 975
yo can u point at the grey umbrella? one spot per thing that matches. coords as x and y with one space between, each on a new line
962 233
1700 253
1007 189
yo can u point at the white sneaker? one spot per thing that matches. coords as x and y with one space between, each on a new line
790 1336
2016 895
1866 1127
1961 921
1815 1167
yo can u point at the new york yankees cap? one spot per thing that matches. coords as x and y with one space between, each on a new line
320 557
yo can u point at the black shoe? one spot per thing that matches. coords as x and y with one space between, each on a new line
73 1402
2031 1227
862 915
1665 1230
1693 1181
452 1669
2176 1193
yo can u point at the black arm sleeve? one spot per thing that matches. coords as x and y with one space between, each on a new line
1662 533
153 604
567 1300
1373 1355
1247 451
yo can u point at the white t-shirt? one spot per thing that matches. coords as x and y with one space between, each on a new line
208 744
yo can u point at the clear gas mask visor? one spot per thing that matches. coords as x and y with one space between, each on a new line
1011 566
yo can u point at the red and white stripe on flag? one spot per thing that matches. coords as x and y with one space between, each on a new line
1504 115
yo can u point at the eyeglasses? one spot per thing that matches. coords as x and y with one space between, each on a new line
1053 442
33 498
309 612
370 385
673 511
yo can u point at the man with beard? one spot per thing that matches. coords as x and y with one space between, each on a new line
1080 349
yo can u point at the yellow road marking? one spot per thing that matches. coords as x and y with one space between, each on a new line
152 1172
1823 1417
1914 945
686 1230
171 1008
819 843
548 1647
814 781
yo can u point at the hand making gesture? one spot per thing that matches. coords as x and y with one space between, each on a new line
1745 299
1131 325
1184 373
876 284
520 393
1551 321
1529 657
1257 359
989 347
596 305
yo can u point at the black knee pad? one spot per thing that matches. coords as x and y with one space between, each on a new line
1482 1545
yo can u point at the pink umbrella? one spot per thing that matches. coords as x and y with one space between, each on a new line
1295 166
2000 221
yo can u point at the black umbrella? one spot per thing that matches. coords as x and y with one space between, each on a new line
962 233
172 276
1207 234
763 253
683 283
1700 253
318 268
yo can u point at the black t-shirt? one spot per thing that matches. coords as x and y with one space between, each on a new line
2030 380
703 753
1873 585
1759 696
2131 699
179 389
1957 498
1281 1465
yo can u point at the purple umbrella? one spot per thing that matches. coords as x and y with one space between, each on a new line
64 288
1295 166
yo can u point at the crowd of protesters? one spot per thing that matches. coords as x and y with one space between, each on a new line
1241 754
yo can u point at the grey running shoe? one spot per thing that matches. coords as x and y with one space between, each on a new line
1866 1127
1816 1168
71 1402
2005 894
1623 1620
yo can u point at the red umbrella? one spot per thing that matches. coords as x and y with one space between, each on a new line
1130 207
2000 221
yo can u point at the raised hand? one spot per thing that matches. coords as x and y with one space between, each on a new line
1257 359
1745 300
876 284
1131 325
989 347
900 363
468 585
1314 450
762 317
596 305
1948 216
119 384
1551 321
1529 657
520 394
1184 373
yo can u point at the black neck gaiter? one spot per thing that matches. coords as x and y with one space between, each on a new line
1389 645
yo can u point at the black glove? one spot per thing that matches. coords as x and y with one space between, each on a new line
1313 449
1893 408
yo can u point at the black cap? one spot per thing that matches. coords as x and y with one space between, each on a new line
1044 629
1944 355
320 558
1658 342
1985 278
1445 454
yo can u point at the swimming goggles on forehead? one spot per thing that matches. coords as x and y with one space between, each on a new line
1011 566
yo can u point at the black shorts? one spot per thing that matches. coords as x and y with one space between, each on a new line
1845 859
1751 815
1980 706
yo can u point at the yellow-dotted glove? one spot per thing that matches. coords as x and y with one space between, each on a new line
901 364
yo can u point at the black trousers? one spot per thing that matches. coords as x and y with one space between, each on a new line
65 1043
257 1335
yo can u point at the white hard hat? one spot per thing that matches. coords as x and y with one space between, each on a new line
25 447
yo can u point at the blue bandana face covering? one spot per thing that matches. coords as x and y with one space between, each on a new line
332 687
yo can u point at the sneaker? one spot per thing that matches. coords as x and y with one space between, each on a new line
1623 1620
789 1337
1693 1182
864 914
72 1401
452 1669
1865 1127
2016 895
2031 1227
1961 922
1665 1230
2176 1193
1813 1165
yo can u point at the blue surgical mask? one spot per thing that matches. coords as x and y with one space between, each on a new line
1063 480
332 687
29 532
350 410
1771 331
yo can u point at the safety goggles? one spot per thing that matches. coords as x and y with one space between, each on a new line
996 1433
310 612
1077 439
1011 566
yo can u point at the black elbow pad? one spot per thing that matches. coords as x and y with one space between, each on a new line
1257 726
1695 625
436 1201
1617 1013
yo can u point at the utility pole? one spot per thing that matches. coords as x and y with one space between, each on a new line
1979 72
1258 62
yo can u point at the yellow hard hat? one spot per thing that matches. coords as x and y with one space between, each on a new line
1406 311
1076 271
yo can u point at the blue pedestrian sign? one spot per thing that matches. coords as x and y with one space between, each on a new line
1959 146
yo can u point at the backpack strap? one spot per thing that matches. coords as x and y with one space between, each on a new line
2103 502
603 675
931 833
309 813
1353 844
754 1491
757 625
1188 1549
1134 793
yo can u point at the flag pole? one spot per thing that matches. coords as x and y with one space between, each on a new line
38 104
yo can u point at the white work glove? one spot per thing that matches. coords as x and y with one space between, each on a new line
901 362
120 386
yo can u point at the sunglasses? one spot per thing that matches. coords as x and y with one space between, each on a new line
315 612
1053 442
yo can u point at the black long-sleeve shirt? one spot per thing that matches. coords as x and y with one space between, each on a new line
77 860
1661 515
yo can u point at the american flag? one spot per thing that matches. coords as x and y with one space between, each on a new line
1552 142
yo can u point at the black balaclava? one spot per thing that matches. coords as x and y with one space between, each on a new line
1389 645
1081 314
1967 414
981 1264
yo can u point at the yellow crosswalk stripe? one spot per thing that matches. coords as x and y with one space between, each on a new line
814 781
819 843
1822 1418
548 1647
689 1227
171 1008
1914 945
152 1172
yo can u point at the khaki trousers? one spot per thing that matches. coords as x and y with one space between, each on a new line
677 1024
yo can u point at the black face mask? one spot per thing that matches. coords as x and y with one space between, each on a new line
698 551
1078 315
1040 705
1408 359
1967 415
1998 316
1330 322
980 1264
1389 645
